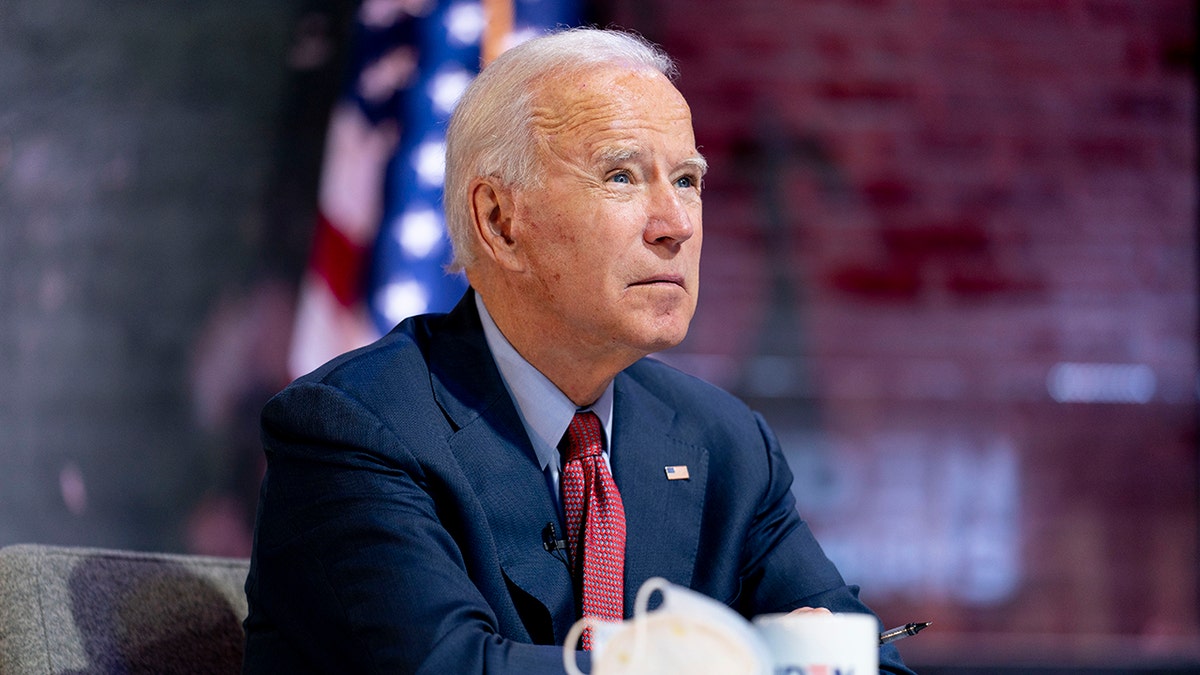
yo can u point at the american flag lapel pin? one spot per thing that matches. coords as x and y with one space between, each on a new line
679 472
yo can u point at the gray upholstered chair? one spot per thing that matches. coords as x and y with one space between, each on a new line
81 610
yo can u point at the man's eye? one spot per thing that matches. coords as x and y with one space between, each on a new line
685 182
621 177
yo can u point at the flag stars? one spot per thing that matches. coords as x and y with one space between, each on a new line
420 233
521 34
401 299
447 87
429 161
465 22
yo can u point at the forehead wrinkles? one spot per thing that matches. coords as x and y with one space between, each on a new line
564 116
603 107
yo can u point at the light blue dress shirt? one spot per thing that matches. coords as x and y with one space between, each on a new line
545 411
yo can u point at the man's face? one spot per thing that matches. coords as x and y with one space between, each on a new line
612 233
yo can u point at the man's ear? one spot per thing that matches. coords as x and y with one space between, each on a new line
492 217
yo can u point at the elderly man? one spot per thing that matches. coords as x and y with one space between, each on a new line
452 498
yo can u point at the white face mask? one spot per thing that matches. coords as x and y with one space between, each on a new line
688 633
692 633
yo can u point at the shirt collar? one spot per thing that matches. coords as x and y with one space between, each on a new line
544 410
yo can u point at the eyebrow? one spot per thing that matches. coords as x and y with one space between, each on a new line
697 163
618 154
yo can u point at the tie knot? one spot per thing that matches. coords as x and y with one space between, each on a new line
585 438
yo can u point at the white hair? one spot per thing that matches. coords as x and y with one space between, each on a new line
491 131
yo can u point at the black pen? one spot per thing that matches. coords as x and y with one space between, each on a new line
901 632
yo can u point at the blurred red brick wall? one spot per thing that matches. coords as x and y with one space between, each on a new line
917 210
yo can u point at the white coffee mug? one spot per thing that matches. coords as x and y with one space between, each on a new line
821 644
687 633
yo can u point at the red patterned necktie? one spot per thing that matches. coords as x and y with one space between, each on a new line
590 499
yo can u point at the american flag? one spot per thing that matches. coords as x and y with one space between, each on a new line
679 472
380 243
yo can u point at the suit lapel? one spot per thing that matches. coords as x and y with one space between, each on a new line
502 468
510 484
662 516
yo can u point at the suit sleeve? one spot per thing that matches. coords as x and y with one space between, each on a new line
784 567
352 569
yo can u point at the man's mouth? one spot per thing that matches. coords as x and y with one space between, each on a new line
669 279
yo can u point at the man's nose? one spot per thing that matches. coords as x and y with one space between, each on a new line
669 221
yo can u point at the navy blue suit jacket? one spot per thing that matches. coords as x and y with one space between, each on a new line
401 517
